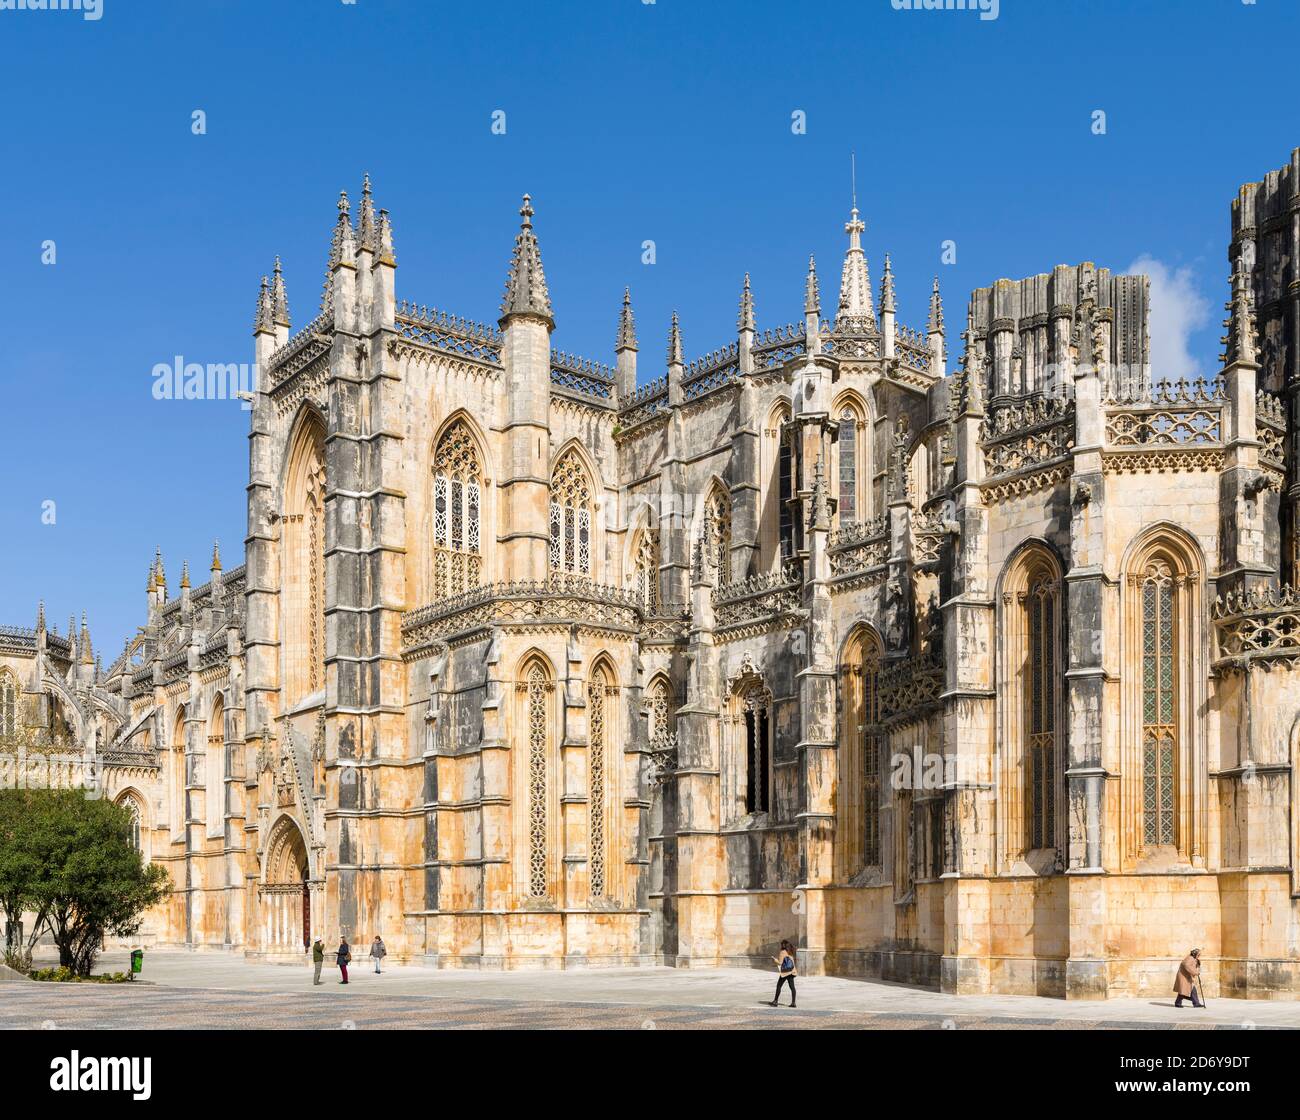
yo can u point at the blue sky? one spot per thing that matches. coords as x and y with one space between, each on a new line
627 121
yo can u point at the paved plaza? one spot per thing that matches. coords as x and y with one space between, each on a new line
213 990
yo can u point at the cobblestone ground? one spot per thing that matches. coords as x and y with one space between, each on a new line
225 991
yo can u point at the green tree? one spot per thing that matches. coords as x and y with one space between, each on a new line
92 881
21 872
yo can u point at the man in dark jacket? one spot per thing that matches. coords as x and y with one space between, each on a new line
377 952
317 959
344 957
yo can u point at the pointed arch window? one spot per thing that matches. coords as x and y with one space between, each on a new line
847 444
1042 607
756 720
1160 715
600 692
303 563
8 706
861 789
718 516
132 806
645 560
659 709
457 512
570 517
537 705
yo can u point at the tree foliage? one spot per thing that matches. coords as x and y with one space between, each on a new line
70 860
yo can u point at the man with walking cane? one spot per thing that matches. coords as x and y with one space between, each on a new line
1189 973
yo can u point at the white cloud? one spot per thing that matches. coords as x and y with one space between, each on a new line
1177 311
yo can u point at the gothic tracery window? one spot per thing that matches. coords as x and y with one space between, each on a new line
659 708
1159 705
570 517
645 560
537 686
457 513
303 562
600 691
717 514
756 720
847 509
8 706
861 786
132 806
1042 605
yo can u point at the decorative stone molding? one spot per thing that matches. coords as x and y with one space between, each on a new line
1257 626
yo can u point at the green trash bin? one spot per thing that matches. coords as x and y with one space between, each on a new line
137 962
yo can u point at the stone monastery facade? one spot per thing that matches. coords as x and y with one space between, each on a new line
985 678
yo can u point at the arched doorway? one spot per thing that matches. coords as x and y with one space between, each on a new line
286 894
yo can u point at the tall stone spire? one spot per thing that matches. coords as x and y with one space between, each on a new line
216 556
887 319
934 325
626 325
675 342
87 653
887 288
625 349
279 300
40 616
856 312
745 322
675 363
526 292
812 299
1240 341
934 332
264 320
342 249
367 228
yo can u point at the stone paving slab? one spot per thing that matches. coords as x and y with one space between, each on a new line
155 1007
226 991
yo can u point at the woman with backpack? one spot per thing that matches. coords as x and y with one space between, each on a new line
786 972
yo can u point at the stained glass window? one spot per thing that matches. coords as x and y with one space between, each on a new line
1041 613
848 463
1159 705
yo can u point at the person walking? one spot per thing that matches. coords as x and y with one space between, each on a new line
317 959
1185 982
377 952
786 972
344 957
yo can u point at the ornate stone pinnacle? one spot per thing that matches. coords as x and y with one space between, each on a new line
366 229
216 556
887 287
746 320
160 577
935 324
40 615
626 324
185 574
279 300
264 320
820 520
812 296
856 313
526 292
675 342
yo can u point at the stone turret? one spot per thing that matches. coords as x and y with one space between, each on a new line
526 326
